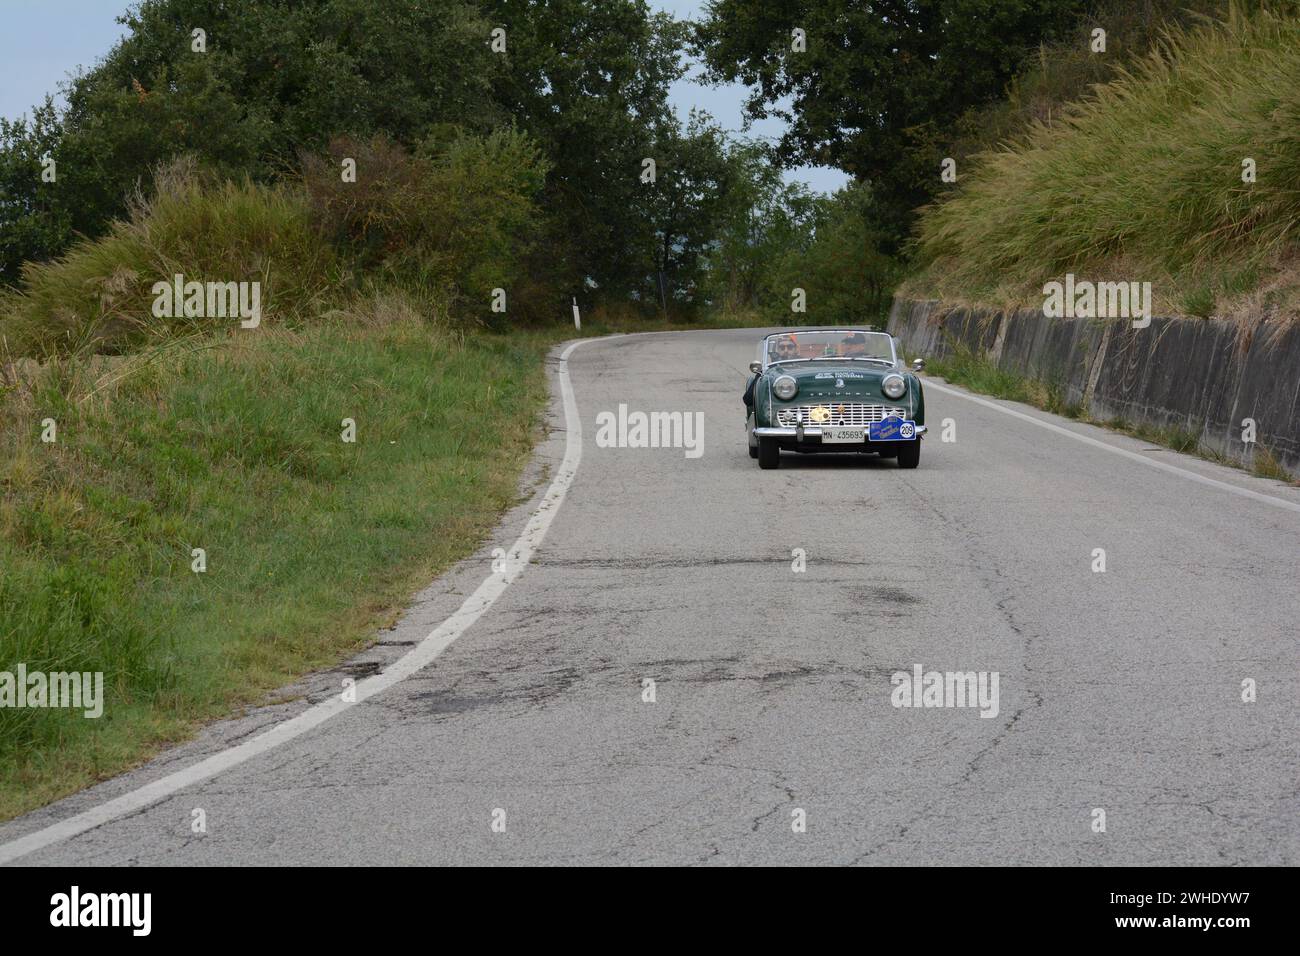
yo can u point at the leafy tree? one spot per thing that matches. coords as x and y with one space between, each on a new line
879 82
305 71
588 80
275 77
761 220
684 207
840 265
113 137
33 221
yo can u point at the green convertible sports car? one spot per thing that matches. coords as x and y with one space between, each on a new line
834 390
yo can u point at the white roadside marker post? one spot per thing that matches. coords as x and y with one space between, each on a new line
577 319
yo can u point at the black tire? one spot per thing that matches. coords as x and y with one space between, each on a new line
769 453
753 451
909 455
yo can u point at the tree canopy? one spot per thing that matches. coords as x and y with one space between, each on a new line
871 88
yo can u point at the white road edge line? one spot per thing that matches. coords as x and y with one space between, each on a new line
1087 440
438 640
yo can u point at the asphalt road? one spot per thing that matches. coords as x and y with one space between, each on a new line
1118 690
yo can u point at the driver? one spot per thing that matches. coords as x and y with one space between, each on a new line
782 349
785 348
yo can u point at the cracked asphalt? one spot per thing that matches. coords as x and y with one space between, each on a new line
1119 691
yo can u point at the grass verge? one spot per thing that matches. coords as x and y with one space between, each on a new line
233 445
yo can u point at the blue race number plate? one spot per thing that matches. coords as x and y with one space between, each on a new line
892 429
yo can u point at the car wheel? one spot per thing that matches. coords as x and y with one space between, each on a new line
753 451
769 453
909 456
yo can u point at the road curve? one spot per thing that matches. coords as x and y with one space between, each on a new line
1119 691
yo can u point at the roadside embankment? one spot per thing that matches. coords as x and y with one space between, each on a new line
1205 378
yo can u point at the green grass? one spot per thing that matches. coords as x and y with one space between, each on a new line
177 434
1142 181
234 447
980 374
1265 465
99 295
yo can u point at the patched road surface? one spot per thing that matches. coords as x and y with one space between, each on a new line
1118 691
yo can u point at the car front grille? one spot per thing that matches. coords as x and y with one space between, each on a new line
842 413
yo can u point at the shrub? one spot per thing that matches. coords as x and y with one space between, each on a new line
456 219
99 295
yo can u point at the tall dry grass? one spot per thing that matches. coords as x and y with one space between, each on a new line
1143 181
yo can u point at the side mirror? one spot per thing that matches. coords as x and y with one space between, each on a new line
756 367
918 365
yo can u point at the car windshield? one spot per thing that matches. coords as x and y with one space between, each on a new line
812 346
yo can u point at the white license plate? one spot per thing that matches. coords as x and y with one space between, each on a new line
843 435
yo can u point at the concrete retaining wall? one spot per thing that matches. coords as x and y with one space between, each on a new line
1199 375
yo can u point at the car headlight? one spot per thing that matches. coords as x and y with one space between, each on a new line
893 386
785 387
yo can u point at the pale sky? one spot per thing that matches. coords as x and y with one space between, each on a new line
44 41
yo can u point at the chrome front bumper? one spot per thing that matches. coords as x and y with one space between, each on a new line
800 432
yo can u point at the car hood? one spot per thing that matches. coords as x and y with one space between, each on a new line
829 380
